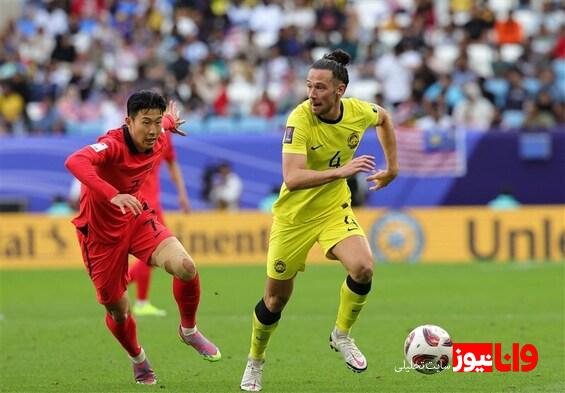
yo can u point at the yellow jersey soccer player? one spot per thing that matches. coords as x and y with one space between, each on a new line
321 138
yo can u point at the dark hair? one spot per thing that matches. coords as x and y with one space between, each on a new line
335 62
145 99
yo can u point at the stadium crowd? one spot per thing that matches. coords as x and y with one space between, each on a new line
67 66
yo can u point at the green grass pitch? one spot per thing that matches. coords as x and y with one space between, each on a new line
53 337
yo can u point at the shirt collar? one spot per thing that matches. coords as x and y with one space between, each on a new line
336 120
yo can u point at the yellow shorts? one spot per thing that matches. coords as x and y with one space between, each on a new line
289 244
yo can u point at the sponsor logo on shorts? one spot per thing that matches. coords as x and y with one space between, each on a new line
280 266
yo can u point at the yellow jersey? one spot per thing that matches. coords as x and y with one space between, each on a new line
326 144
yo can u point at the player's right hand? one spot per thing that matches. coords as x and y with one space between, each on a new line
364 163
174 113
128 201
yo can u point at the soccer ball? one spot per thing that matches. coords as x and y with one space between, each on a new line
428 349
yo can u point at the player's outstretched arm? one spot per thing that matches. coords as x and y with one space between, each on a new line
176 176
297 176
82 165
387 139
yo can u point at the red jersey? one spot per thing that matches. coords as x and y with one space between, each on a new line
151 189
109 167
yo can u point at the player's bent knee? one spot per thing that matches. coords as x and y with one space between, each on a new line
118 316
188 269
182 268
276 303
172 256
363 273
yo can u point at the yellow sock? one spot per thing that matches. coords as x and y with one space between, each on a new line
350 305
260 336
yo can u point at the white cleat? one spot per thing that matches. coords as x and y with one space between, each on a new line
353 357
251 380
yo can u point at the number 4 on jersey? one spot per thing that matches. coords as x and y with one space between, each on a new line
335 161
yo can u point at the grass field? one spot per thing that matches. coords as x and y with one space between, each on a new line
53 337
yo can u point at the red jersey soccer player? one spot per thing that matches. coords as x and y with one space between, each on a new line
115 220
140 271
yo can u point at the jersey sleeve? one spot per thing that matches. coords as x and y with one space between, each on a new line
371 112
295 137
82 164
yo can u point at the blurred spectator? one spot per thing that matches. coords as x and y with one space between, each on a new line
226 188
549 84
500 66
482 20
425 14
265 22
462 73
409 111
207 181
424 76
289 44
475 111
300 13
504 201
516 95
264 106
329 17
266 204
11 105
180 66
437 119
348 42
64 50
45 117
218 57
509 31
394 76
558 51
239 13
59 207
540 114
444 88
221 102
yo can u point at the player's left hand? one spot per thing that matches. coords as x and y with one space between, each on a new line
173 114
381 178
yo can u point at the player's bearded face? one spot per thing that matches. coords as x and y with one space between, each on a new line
324 94
145 128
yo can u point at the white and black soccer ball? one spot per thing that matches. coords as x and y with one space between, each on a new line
428 349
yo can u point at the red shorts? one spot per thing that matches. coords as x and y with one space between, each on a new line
107 264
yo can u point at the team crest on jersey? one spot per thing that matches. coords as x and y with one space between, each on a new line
98 147
353 140
280 266
288 133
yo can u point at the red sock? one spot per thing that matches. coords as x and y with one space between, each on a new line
140 272
187 295
125 333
